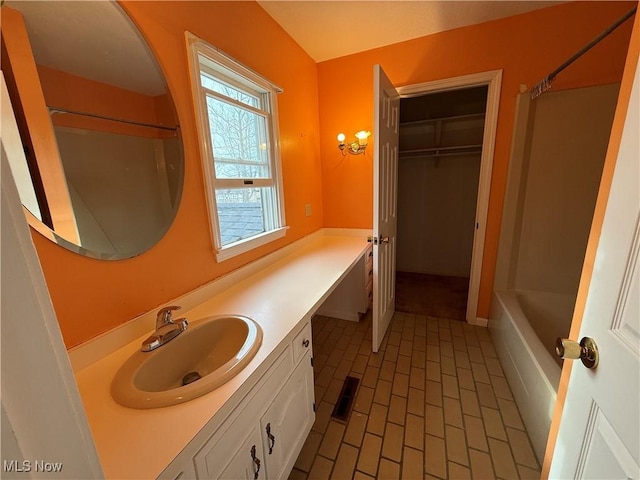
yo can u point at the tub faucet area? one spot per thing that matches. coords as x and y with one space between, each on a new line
166 329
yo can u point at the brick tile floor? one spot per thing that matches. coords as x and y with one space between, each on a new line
433 403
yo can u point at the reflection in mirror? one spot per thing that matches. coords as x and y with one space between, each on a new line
101 167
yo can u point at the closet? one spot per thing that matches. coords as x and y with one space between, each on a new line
439 166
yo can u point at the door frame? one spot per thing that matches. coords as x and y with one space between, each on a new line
493 80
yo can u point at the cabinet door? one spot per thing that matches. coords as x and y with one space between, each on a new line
187 473
288 421
241 461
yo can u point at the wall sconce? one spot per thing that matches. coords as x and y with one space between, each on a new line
356 147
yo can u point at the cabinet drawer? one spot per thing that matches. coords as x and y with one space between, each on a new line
369 254
368 276
368 265
302 343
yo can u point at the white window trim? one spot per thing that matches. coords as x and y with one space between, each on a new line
242 246
195 46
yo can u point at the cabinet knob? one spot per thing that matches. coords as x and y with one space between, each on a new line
305 343
256 463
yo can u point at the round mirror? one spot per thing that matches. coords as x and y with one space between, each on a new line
103 168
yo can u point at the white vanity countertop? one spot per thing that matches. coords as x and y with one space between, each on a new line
140 444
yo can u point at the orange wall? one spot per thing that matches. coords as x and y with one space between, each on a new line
78 94
92 296
65 90
526 47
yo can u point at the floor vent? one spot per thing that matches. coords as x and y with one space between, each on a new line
346 398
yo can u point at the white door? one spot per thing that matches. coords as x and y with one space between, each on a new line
42 415
599 435
385 181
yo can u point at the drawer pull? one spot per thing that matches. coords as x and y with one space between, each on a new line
305 343
272 439
256 463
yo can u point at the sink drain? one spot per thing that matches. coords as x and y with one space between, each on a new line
190 378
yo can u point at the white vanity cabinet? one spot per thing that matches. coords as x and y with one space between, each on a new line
264 434
212 436
287 422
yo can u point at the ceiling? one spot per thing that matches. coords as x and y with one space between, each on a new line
327 29
92 39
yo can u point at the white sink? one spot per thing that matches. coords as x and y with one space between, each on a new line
209 353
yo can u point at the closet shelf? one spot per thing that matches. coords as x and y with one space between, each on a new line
442 136
442 151
470 116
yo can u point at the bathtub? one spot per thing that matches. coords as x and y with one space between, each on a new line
527 353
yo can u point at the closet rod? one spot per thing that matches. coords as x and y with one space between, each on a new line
545 83
434 155
438 153
53 110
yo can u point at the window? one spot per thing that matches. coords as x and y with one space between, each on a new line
238 128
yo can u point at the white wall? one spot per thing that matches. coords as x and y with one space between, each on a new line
436 214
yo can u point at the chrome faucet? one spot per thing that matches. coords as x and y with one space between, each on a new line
166 329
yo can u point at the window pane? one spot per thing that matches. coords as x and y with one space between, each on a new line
241 213
245 158
239 139
228 90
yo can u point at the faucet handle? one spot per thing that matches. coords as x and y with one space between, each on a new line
164 315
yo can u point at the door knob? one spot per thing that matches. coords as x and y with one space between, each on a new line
586 350
384 239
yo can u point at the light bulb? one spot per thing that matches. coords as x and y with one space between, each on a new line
362 136
341 137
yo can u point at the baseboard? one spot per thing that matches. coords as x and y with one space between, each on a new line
481 322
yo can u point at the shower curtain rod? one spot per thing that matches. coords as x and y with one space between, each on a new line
545 83
53 110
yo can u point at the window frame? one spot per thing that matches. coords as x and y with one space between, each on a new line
238 76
